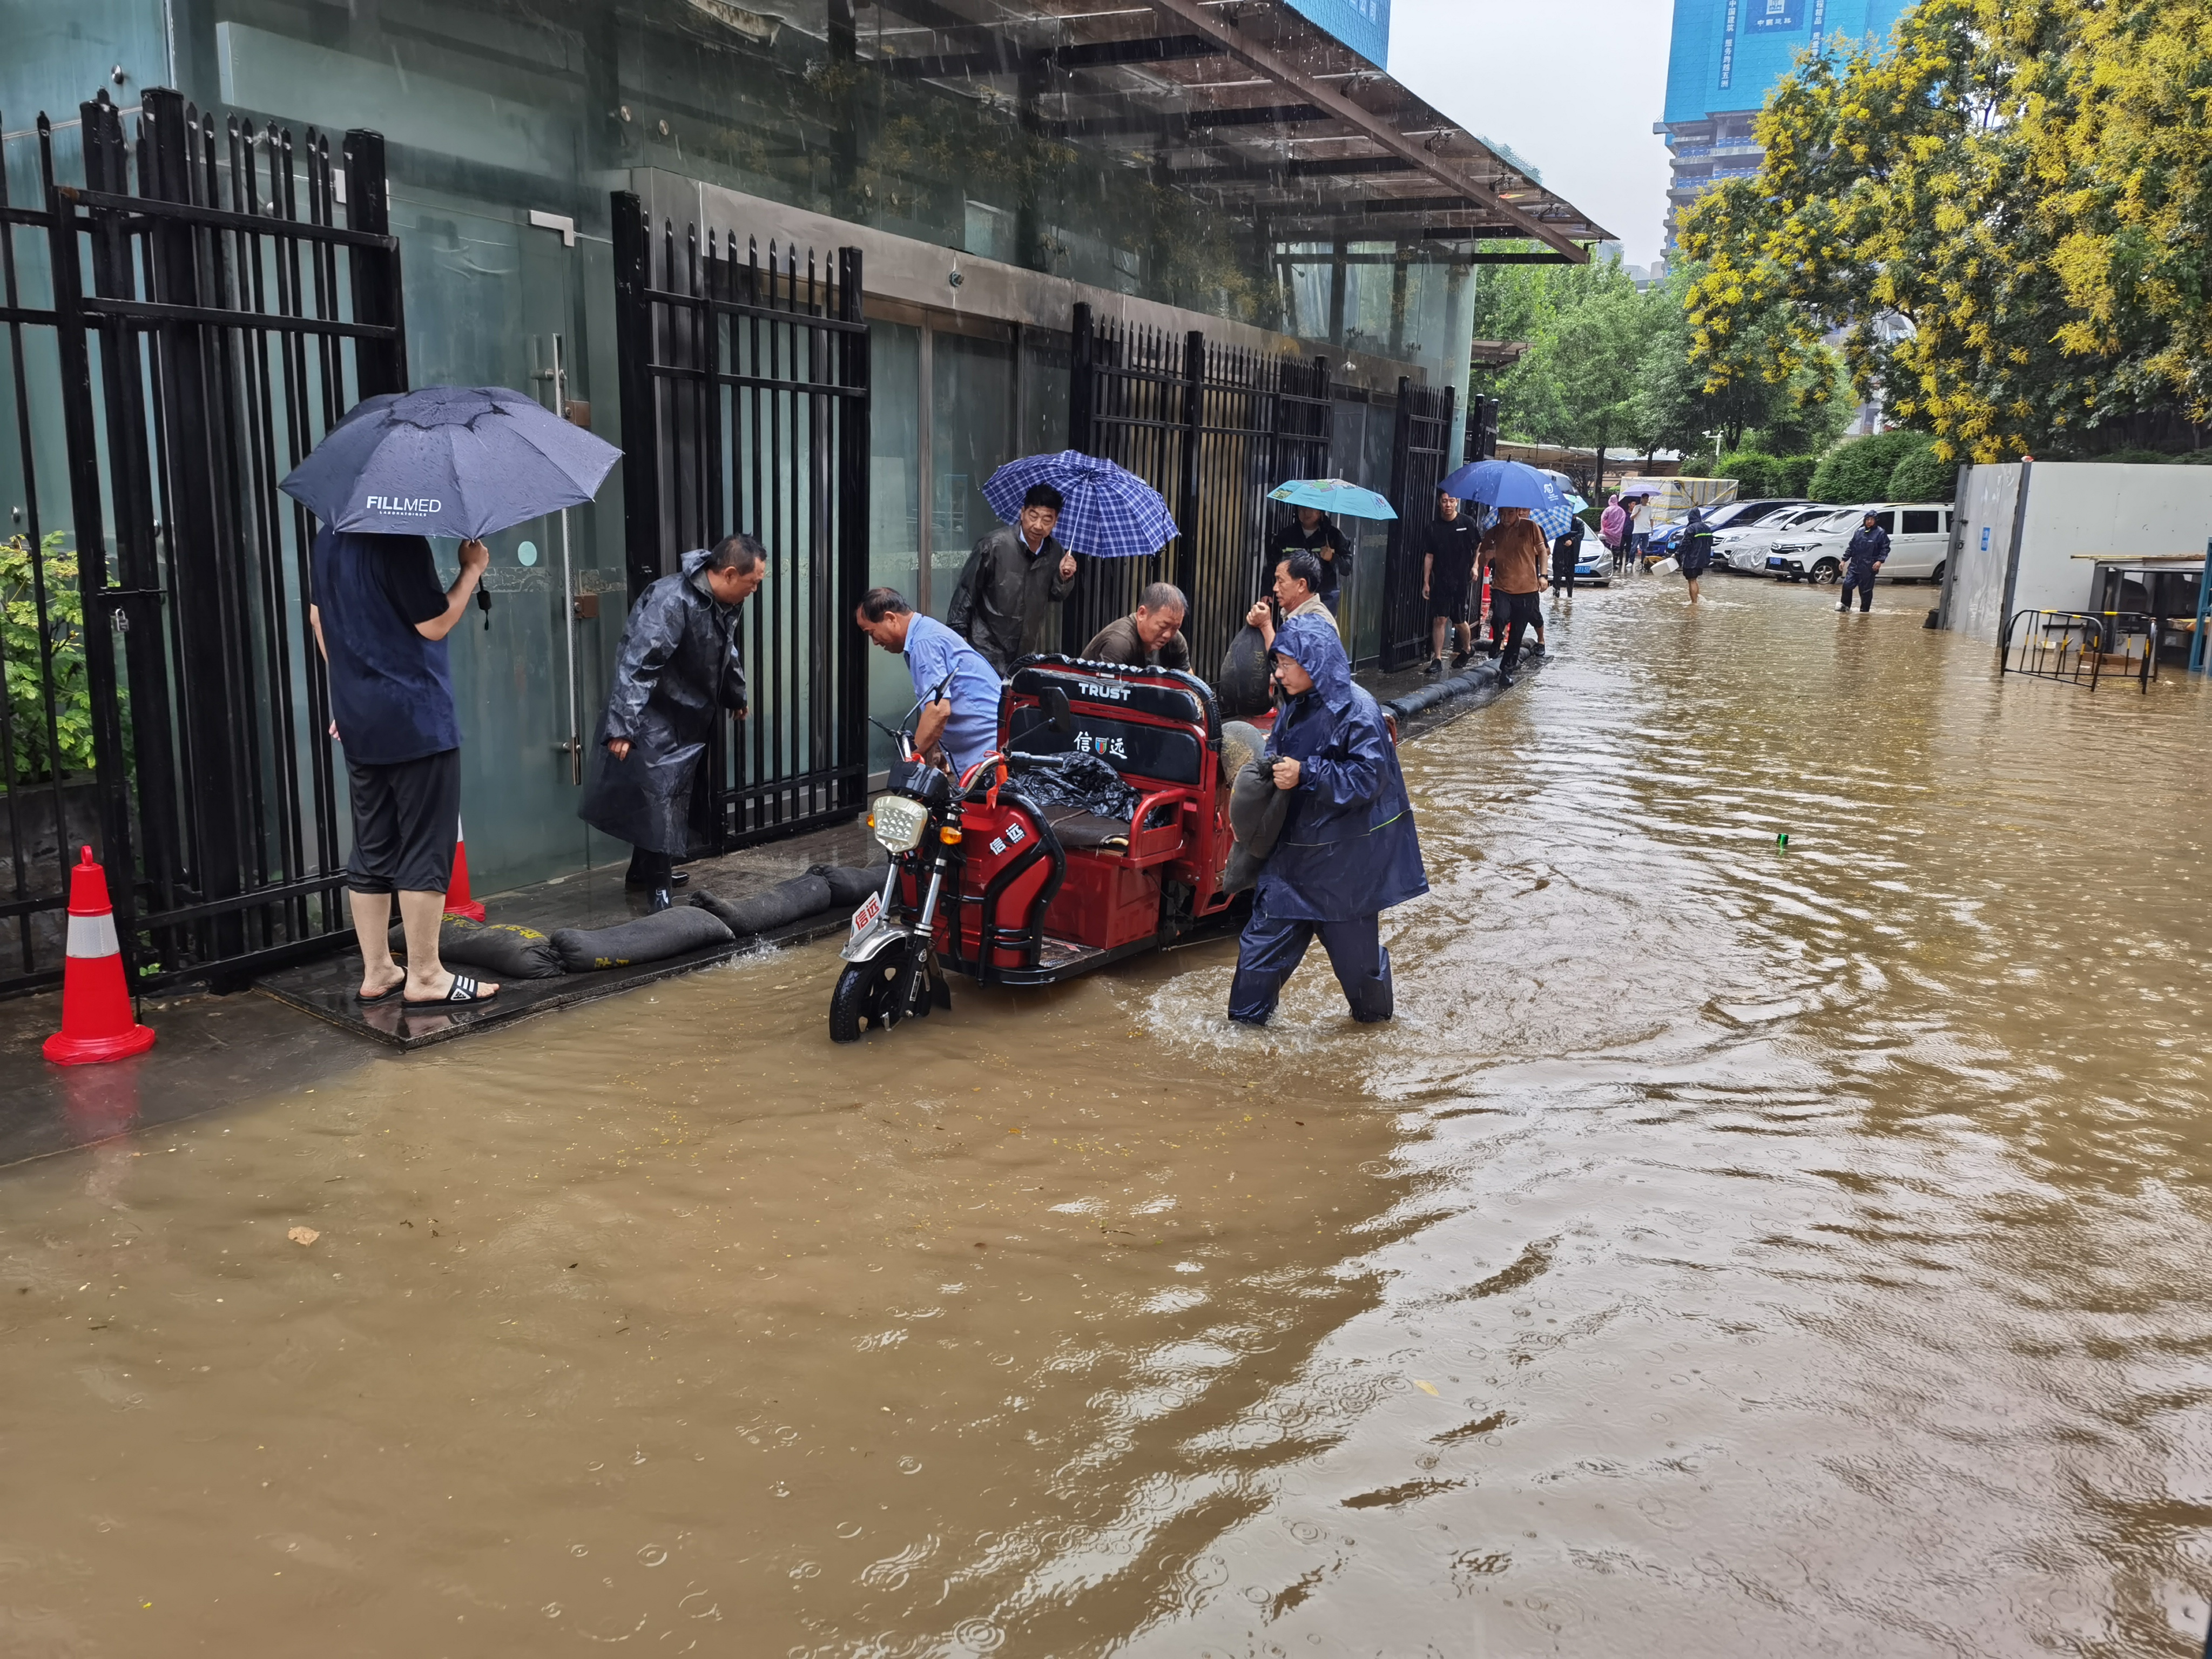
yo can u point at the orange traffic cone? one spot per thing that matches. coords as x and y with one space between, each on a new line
96 1022
458 902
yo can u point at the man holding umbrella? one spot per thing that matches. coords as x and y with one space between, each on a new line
380 620
458 461
678 669
1015 576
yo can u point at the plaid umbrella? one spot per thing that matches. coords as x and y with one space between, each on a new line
1553 520
1108 512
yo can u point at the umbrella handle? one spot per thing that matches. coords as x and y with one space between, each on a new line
483 603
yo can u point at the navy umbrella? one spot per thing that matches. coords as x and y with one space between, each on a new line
448 460
1503 483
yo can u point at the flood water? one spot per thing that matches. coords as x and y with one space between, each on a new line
1728 1251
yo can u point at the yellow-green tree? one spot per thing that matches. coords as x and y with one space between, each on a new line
2023 182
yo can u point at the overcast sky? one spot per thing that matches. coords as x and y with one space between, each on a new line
1572 85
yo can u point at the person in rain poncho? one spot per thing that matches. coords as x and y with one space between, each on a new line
1612 530
678 669
1693 553
1347 851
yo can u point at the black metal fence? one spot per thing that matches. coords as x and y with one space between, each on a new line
744 391
1419 461
207 320
1212 428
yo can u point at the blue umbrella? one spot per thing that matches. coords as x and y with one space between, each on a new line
1107 512
459 461
1333 496
1501 484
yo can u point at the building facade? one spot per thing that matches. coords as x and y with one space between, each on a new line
1172 172
1726 56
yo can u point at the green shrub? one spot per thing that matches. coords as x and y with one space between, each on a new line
1793 475
1859 469
1921 478
2135 458
32 757
1753 472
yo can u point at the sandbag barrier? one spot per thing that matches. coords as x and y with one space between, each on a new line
1482 676
508 951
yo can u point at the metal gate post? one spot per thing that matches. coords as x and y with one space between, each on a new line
1395 578
1193 422
856 419
380 365
633 335
210 661
89 514
1080 395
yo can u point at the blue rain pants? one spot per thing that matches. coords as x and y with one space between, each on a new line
1270 948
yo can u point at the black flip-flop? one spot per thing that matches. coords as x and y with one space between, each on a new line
463 989
385 994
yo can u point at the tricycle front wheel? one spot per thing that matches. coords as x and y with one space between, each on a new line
875 995
865 992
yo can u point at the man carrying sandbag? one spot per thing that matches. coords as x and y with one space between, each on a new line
678 669
1346 850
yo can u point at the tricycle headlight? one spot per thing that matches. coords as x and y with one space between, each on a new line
899 822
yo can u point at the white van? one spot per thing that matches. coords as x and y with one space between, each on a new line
1919 541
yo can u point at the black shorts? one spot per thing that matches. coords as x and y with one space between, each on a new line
406 817
1447 603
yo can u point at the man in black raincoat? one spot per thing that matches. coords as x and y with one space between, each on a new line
678 669
1003 604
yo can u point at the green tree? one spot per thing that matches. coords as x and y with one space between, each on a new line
2025 185
1923 475
1860 469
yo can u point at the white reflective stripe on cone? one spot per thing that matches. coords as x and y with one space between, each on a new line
93 936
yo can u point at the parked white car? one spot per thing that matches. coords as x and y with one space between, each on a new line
1744 549
1919 541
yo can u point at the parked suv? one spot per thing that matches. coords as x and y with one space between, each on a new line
1919 540
1744 549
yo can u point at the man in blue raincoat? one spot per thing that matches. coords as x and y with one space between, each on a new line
1347 851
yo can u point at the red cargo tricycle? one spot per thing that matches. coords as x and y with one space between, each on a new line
988 882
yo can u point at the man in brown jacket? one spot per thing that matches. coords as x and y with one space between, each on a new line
1514 553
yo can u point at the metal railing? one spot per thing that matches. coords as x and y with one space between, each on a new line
2081 647
209 319
745 406
1212 428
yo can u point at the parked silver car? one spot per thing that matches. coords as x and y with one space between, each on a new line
1746 549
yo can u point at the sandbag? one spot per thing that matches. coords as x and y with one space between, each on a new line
1256 811
1241 742
1243 690
647 939
504 950
785 902
850 885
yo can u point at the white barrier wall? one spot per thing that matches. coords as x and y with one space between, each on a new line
2027 522
1973 597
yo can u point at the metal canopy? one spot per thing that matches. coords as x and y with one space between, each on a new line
1247 108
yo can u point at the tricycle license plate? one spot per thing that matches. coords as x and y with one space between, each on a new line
863 918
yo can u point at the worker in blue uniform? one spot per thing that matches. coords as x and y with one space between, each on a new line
1347 851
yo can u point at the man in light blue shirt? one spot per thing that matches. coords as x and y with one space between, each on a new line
962 724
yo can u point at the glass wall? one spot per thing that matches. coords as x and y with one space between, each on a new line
972 435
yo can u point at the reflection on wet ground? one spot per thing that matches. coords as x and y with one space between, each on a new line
1729 1250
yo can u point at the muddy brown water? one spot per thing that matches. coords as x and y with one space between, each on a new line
1728 1251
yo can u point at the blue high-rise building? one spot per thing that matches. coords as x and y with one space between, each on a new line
1726 56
